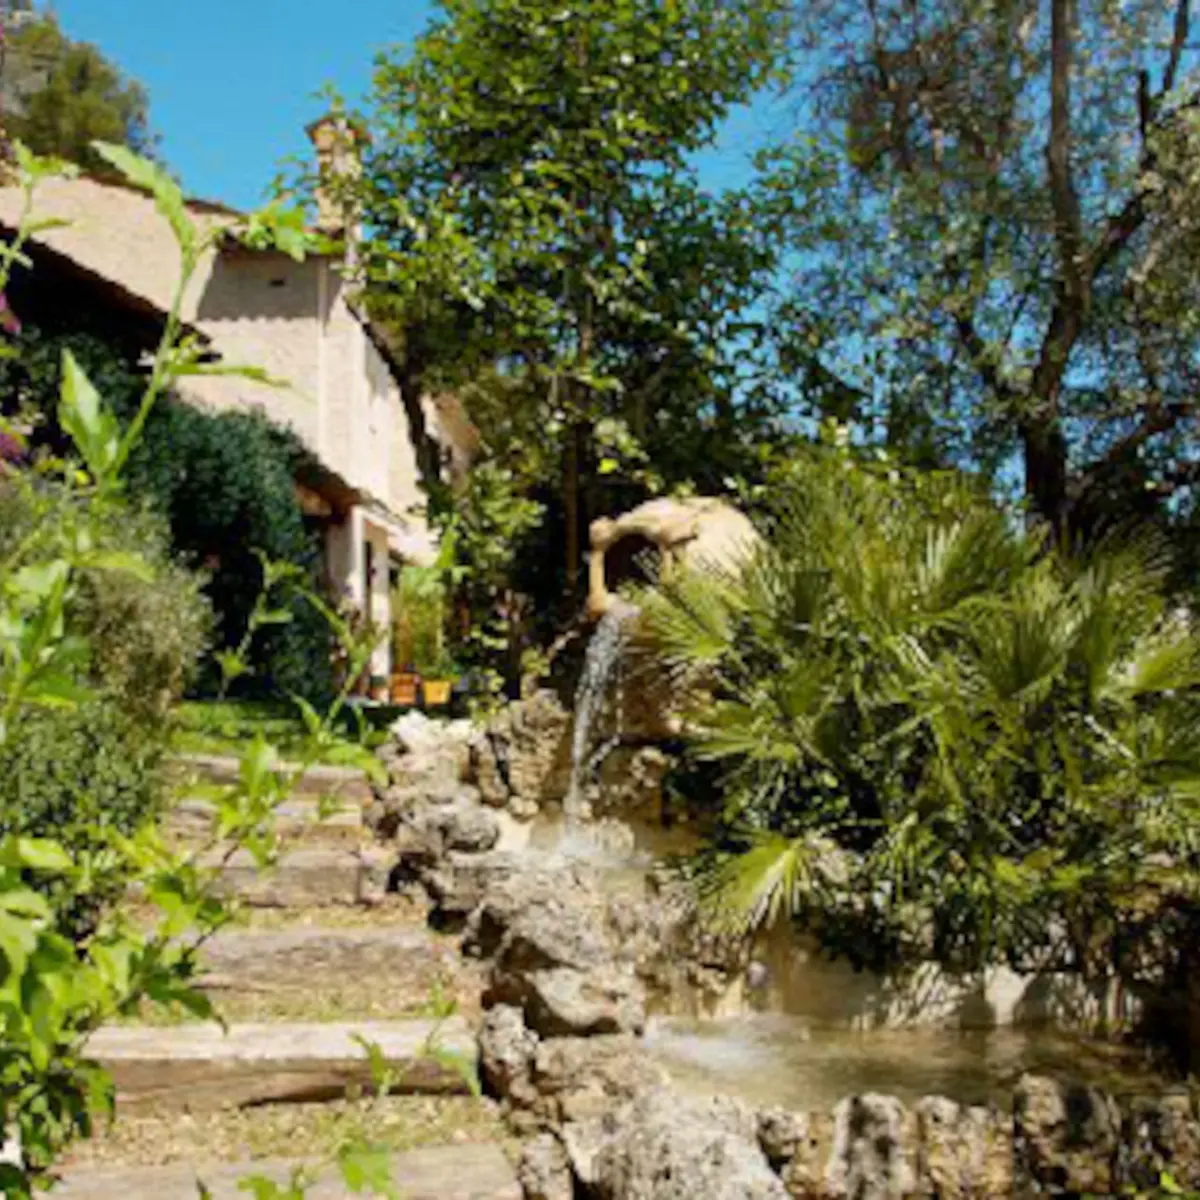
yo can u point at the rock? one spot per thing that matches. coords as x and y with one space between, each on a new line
525 754
781 1134
507 895
506 1055
1065 1139
459 883
666 1146
871 1142
961 1152
544 1171
558 963
804 1174
1161 1134
554 932
583 1141
631 782
565 1001
414 733
469 829
578 1079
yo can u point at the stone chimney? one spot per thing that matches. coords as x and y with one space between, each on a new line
339 166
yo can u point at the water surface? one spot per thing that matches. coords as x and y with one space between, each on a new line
771 1059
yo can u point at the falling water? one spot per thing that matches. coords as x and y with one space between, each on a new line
601 671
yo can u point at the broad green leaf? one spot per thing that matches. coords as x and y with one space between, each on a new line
82 414
119 561
36 854
368 1169
150 177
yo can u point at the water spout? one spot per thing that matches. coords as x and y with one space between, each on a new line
601 678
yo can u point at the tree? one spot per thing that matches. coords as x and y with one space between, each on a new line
535 221
993 210
60 96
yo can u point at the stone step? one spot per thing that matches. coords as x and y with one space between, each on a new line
268 957
192 819
301 973
458 1172
349 784
202 1067
304 876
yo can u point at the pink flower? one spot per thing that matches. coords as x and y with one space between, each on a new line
9 321
12 448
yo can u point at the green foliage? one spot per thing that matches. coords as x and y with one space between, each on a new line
991 212
59 983
224 482
231 727
66 95
419 612
539 244
490 527
939 735
81 771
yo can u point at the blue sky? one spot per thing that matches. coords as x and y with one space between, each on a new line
232 82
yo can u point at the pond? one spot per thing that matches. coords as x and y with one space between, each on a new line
770 1059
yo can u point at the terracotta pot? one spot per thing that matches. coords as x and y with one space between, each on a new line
437 692
404 689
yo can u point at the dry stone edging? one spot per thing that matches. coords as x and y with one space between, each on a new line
201 1066
473 1171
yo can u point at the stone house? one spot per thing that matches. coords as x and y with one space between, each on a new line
299 323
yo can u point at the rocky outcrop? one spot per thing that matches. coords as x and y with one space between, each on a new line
522 760
571 967
1067 1137
663 1146
557 958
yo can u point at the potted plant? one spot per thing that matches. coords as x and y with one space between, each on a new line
408 604
437 682
403 688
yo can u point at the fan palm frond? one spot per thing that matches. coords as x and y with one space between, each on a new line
773 879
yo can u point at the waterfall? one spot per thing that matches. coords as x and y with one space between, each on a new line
601 671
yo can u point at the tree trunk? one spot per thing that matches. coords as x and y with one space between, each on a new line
1045 450
572 516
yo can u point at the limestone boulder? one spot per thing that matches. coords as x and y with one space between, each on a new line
781 1135
1064 1137
522 761
506 1056
1161 1134
667 1146
873 1141
580 1079
557 959
962 1151
544 1171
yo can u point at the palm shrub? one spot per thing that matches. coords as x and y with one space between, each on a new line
939 735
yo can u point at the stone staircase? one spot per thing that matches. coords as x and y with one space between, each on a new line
327 965
471 1172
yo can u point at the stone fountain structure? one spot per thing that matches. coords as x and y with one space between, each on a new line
699 532
579 965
